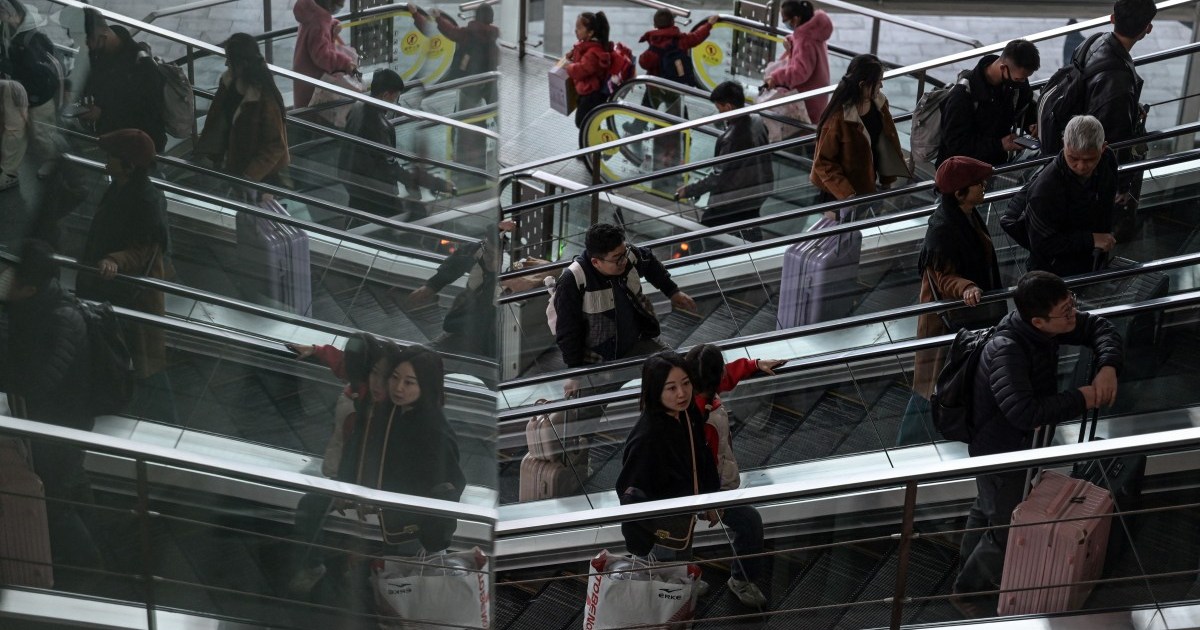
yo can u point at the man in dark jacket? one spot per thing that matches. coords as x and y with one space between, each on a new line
370 174
981 113
1113 85
1070 211
124 89
602 314
1014 394
48 362
739 188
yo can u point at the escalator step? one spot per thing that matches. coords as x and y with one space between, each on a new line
928 567
885 415
510 601
764 320
836 577
677 325
725 322
558 606
832 421
756 439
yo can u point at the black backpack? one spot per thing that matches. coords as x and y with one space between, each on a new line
1015 220
675 63
952 394
1064 96
111 371
33 64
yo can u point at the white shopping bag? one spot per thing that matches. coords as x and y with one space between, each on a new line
639 593
426 591
336 116
778 129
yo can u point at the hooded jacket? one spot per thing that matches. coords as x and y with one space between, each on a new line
1113 88
748 178
604 319
716 422
245 131
27 55
974 119
128 89
589 67
662 38
956 255
845 161
806 65
48 358
317 49
1015 388
1064 212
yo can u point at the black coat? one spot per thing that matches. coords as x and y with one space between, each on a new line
31 62
365 167
1113 88
952 242
412 453
128 90
738 189
48 358
1064 212
657 462
1015 389
974 120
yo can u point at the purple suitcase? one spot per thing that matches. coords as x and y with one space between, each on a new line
819 278
24 528
1046 553
275 257
546 479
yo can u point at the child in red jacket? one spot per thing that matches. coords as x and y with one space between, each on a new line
589 63
710 377
668 55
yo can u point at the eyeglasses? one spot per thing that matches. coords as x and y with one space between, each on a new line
616 260
1072 304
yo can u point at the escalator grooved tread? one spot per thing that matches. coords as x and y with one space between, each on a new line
510 602
557 606
765 320
821 432
725 322
841 570
928 567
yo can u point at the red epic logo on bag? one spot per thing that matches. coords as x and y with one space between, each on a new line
593 601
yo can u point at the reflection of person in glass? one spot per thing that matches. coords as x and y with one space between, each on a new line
406 445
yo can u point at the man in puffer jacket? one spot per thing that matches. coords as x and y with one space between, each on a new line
1014 394
805 62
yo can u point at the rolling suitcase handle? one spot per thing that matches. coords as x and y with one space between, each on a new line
1045 433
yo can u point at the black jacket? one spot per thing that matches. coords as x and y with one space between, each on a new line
412 453
1064 212
364 167
952 242
974 120
31 63
48 358
738 188
129 216
657 463
602 321
1113 88
128 90
473 311
1016 383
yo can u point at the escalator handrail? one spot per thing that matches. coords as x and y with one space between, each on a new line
796 98
828 206
856 482
248 208
273 314
185 460
275 70
905 22
854 321
456 84
520 415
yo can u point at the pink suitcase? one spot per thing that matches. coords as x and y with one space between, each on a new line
24 529
545 434
548 479
1055 553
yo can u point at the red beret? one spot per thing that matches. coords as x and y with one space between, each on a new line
959 172
131 145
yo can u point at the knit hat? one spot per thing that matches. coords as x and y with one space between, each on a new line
131 145
959 172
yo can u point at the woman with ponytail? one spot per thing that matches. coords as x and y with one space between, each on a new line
589 62
857 143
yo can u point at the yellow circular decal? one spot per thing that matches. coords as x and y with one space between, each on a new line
437 46
711 54
412 43
602 136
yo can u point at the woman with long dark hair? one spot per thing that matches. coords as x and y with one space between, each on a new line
858 148
957 261
665 454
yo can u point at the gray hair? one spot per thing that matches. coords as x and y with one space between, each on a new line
1084 133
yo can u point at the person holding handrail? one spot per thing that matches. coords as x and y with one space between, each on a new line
589 61
858 148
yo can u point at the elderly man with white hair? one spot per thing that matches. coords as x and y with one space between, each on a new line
1070 212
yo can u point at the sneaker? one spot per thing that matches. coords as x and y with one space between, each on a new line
304 580
747 592
8 181
701 588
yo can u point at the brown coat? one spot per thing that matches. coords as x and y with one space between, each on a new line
844 164
251 141
148 343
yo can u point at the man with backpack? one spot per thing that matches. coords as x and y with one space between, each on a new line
124 89
48 375
1068 213
668 55
983 112
1013 393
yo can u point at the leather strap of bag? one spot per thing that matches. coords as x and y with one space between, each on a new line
692 449
943 315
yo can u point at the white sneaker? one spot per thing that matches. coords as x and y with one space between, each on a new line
701 588
8 181
747 592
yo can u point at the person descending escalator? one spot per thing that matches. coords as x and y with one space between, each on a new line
319 46
668 55
804 64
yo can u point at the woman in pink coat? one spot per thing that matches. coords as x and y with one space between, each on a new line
318 47
805 62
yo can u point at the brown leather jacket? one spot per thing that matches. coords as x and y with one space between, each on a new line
844 164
